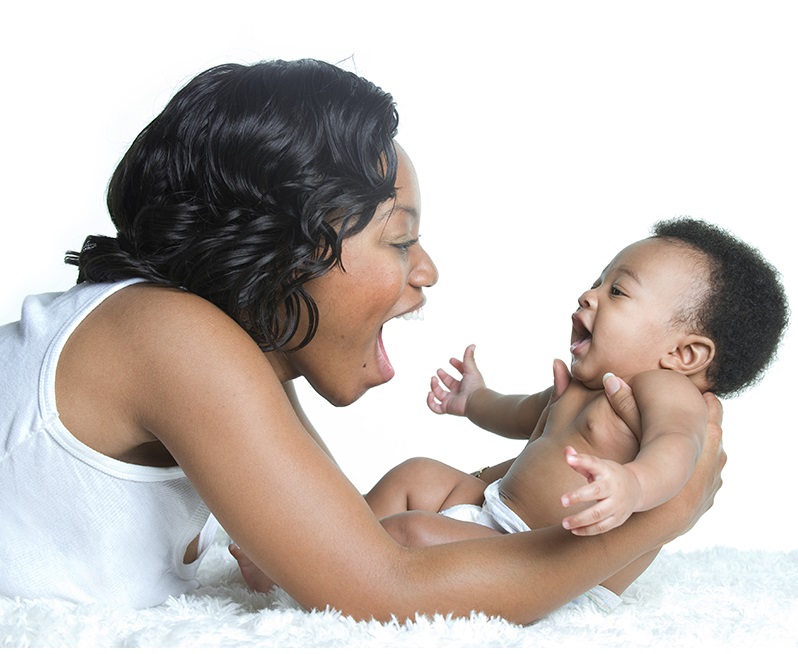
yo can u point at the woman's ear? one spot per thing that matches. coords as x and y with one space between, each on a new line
692 355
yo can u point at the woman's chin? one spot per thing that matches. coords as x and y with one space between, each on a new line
339 395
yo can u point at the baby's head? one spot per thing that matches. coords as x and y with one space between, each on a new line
744 308
693 299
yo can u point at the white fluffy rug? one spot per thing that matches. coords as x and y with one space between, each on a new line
720 596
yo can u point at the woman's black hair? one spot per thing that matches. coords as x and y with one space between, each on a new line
244 188
745 311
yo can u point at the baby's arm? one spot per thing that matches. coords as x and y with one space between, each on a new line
674 415
512 416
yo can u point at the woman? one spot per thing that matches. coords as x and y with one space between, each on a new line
267 229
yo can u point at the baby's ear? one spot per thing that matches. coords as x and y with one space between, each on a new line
692 355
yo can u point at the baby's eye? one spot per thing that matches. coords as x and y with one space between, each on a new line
614 290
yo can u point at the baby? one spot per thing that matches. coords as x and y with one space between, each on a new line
690 310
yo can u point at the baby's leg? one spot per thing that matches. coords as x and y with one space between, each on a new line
422 484
423 528
253 576
620 581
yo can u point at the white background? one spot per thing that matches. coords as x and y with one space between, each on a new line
547 135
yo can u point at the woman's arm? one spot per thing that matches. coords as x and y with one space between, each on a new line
214 400
674 419
290 393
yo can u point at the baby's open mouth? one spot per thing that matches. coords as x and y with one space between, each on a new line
580 335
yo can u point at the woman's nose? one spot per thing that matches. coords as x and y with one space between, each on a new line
424 272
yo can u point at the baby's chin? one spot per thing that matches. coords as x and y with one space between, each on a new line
591 381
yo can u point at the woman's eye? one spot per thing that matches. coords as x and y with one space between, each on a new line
404 246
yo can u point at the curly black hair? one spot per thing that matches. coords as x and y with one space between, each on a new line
745 311
244 187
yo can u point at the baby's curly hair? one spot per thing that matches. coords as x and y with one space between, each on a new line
745 312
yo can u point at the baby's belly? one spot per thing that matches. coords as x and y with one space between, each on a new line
535 483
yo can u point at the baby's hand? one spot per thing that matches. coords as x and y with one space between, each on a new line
450 395
614 488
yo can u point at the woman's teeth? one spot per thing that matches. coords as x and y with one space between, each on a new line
418 314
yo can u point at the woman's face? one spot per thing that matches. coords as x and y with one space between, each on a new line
385 272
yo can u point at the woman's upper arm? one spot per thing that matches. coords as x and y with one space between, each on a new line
293 398
215 402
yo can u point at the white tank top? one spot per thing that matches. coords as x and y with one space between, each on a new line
74 523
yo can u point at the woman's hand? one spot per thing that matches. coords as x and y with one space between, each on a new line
698 495
680 514
622 400
562 379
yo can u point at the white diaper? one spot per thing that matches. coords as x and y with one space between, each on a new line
494 513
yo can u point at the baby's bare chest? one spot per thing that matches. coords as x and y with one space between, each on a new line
583 419
539 476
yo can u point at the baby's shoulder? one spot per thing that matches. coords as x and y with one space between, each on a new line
665 388
660 377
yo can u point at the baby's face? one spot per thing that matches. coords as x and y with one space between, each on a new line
627 322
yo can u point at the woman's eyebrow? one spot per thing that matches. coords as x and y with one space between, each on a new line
411 210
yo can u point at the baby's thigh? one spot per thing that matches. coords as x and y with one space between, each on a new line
422 529
426 485
437 486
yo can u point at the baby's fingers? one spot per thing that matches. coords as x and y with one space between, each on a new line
437 396
588 518
588 493
587 465
458 365
596 519
437 390
450 382
434 404
591 528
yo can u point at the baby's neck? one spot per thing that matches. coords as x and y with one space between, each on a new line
699 380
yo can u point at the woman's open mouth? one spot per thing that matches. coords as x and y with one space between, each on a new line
383 361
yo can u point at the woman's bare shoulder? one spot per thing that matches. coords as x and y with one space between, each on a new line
173 333
149 351
145 320
150 303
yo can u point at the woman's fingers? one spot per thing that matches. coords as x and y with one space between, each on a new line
622 400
